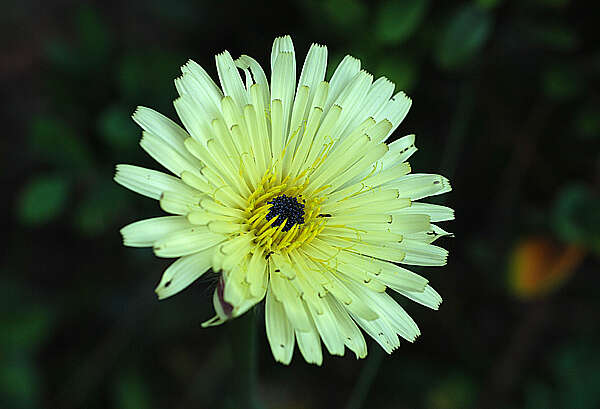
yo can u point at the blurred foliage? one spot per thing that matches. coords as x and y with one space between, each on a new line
42 199
540 265
463 37
345 14
54 141
553 35
24 332
577 216
396 21
504 101
561 82
456 391
574 381
115 127
132 392
587 122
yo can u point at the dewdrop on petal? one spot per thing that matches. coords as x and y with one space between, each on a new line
288 189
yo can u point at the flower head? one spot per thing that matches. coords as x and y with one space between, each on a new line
288 189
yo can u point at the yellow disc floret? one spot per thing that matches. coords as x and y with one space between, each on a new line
272 233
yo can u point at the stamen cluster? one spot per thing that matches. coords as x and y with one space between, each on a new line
287 208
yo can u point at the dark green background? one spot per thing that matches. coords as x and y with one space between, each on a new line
506 104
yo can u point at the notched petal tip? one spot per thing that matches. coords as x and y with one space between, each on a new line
213 322
284 360
136 113
351 58
188 64
242 62
159 290
402 95
286 39
223 54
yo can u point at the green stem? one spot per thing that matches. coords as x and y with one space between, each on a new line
366 378
242 335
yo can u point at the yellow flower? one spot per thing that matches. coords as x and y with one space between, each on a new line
289 190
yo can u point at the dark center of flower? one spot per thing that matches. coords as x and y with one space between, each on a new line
286 207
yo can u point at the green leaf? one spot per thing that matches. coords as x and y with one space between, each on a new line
56 142
575 368
587 122
89 53
456 391
402 72
345 13
556 36
149 76
181 14
561 83
488 4
93 32
131 392
576 216
463 37
42 199
63 55
396 21
20 383
553 3
25 329
100 207
117 128
538 395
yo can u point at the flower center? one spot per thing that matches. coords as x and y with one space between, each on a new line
281 218
289 210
